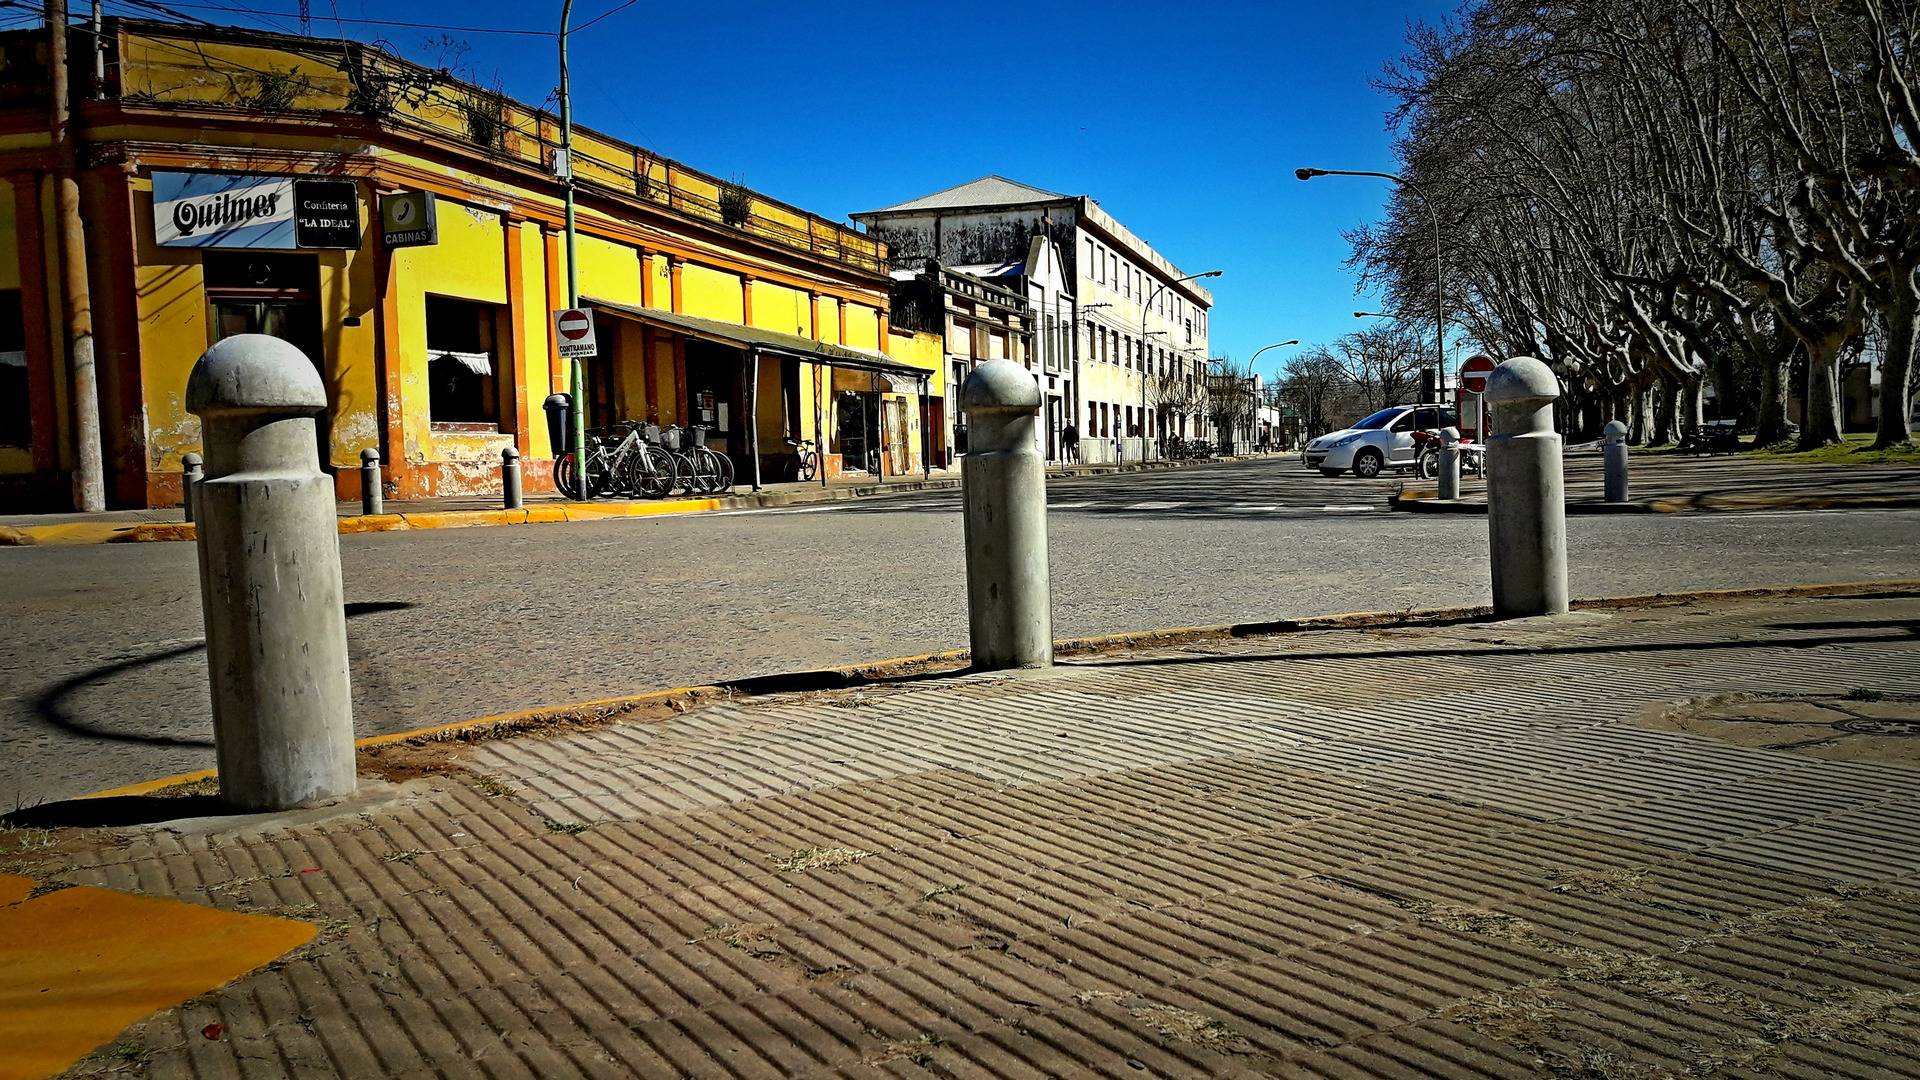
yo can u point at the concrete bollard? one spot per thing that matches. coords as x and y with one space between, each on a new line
1003 482
190 474
1450 463
1526 492
270 590
372 497
510 478
1615 450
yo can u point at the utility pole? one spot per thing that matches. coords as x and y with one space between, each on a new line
576 438
76 300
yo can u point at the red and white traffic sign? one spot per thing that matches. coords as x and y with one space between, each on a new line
1473 374
573 329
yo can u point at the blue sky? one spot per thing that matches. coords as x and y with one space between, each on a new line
1185 121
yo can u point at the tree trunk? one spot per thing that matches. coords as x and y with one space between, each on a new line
1770 425
1896 374
1822 426
1693 401
1666 396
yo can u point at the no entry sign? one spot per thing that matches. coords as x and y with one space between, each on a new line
573 330
1473 374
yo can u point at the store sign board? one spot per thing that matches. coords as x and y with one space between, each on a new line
573 331
225 210
409 219
326 214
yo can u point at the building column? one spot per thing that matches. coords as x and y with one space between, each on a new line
646 277
43 352
674 266
746 299
516 362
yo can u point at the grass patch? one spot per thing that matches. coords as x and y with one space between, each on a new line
1525 1016
1190 1027
1855 1009
405 856
492 786
206 785
568 828
817 859
1860 693
1608 882
1850 450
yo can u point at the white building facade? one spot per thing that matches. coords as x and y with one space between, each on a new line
1120 342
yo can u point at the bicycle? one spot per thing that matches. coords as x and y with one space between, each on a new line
806 460
639 468
627 465
703 471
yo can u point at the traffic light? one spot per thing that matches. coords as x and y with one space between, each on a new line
1429 384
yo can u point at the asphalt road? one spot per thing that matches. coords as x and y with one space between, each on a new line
103 681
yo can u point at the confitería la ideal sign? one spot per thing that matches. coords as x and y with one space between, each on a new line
236 210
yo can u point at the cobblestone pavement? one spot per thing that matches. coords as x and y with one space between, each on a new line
1426 850
103 681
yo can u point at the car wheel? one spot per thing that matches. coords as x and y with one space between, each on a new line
1331 472
1367 464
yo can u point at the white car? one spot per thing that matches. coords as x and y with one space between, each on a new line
1381 441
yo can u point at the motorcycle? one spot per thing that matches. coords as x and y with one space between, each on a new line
1426 455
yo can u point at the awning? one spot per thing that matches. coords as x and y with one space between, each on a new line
767 341
477 362
876 382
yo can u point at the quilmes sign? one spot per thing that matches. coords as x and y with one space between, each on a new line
222 210
231 210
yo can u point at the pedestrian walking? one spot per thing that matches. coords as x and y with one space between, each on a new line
1070 444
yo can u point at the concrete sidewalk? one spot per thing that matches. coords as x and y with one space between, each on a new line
168 524
1650 839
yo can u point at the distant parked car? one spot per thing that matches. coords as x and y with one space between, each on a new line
1381 441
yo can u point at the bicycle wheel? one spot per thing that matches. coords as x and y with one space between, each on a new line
650 473
685 472
804 468
566 478
719 471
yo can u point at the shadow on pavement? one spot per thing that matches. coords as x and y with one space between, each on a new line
50 708
1908 630
117 811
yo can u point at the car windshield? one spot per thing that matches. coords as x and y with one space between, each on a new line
1378 420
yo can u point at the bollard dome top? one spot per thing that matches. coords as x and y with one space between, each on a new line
1615 429
254 373
999 384
1522 379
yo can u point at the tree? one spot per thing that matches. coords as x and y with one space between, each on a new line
1649 196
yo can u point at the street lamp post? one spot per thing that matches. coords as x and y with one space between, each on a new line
1439 295
1145 310
1256 356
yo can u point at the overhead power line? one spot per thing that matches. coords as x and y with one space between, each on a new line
384 22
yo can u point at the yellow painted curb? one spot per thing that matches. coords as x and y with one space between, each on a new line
156 532
12 537
78 532
367 523
149 786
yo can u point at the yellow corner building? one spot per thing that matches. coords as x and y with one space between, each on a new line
405 230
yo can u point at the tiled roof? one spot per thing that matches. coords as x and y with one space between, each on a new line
986 191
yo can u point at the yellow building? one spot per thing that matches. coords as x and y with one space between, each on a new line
233 181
